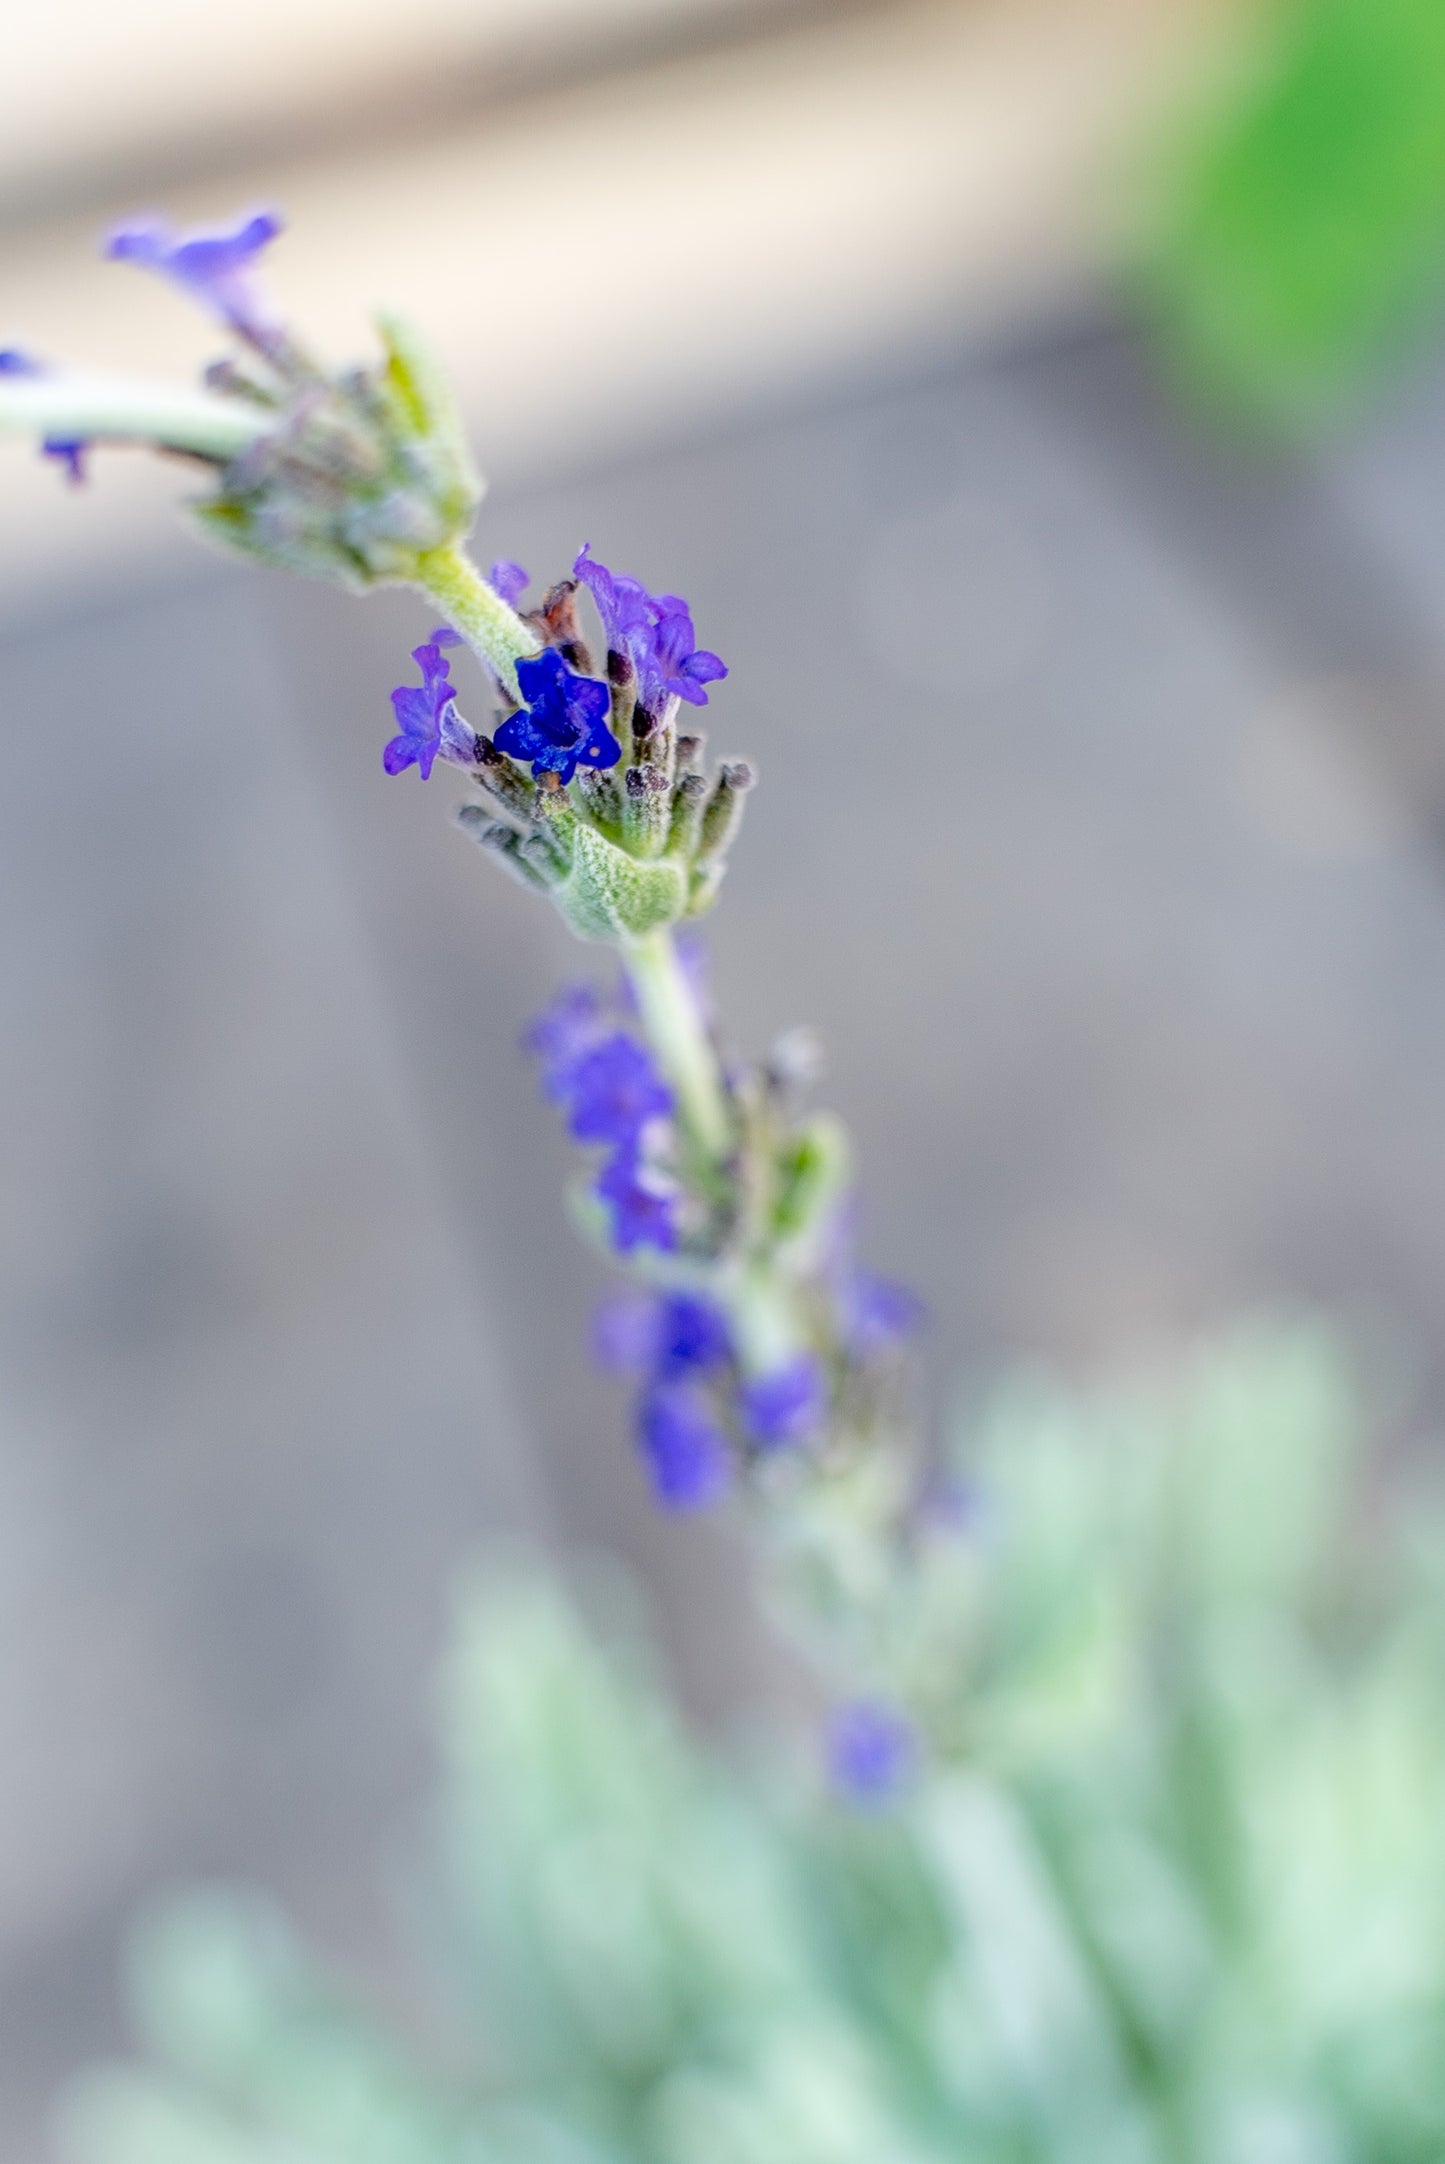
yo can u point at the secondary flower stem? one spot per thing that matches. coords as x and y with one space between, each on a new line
450 579
675 1030
83 408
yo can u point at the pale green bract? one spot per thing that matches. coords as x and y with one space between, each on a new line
1173 1893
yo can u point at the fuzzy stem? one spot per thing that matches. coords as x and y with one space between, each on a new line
675 1029
82 408
450 579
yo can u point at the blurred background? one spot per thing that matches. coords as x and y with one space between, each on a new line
1043 396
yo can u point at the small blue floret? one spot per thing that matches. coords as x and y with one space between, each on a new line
615 1089
642 1202
564 722
872 1750
786 1406
685 1450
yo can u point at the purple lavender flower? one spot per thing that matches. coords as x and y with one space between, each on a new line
875 1314
215 268
564 722
661 1334
692 1335
654 634
428 723
615 1089
15 363
509 579
787 1405
642 1202
624 1332
624 605
573 1025
685 1450
71 452
872 1748
676 666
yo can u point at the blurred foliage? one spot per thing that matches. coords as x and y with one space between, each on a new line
1307 232
1180 1894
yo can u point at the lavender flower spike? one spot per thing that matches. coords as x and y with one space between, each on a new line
215 268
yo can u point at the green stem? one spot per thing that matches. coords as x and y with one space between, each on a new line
129 409
449 578
675 1029
757 1296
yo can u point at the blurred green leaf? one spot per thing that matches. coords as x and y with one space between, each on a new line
1305 232
1175 1894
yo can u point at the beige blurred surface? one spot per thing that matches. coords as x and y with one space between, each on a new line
622 257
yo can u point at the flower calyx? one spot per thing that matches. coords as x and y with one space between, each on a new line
621 820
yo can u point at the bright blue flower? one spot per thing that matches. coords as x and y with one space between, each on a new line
875 1314
654 633
427 720
615 1089
216 268
574 1024
685 1450
642 1202
563 724
872 1749
787 1405
15 363
509 580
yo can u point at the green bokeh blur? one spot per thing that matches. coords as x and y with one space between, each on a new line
1305 234
1180 1899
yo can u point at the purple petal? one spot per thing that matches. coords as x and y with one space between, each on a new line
786 1406
872 1749
70 450
509 579
520 738
575 1021
685 1450
214 266
601 749
625 1330
615 1090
